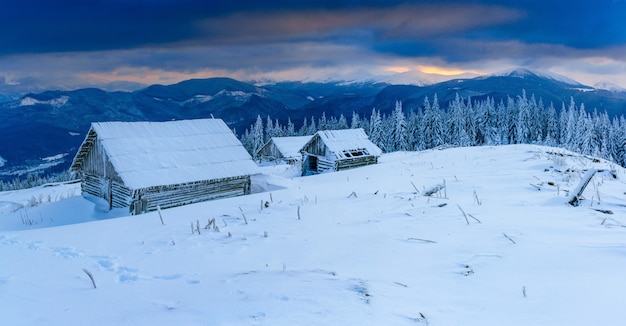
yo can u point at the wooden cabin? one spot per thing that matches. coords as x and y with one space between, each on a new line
144 165
335 150
283 148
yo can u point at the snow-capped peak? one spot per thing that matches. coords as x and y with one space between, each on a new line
524 72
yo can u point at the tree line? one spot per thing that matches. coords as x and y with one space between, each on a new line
518 120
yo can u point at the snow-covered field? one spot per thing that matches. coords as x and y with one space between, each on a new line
497 246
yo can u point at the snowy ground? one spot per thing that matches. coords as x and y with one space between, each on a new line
359 247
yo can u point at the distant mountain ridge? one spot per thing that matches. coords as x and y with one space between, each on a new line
41 131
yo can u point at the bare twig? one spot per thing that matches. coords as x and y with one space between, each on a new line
298 212
423 240
476 198
506 236
472 216
244 215
414 187
464 215
90 277
353 194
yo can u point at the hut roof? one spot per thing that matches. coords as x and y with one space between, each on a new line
339 141
147 154
290 147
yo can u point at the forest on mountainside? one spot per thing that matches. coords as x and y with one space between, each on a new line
519 120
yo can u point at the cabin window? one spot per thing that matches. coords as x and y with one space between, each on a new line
355 152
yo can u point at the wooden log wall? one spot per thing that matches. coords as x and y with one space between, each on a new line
122 196
92 184
177 195
356 162
324 164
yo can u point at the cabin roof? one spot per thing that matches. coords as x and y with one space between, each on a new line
339 141
146 154
289 147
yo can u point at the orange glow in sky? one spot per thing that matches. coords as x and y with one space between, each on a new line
443 71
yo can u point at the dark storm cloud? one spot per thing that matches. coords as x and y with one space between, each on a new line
39 26
398 27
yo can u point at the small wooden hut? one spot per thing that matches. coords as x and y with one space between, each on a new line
144 165
334 150
283 148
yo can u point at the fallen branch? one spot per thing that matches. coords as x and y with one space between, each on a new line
577 193
434 190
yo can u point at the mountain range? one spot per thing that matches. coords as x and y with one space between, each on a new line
40 132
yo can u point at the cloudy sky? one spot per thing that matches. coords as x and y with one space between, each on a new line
77 43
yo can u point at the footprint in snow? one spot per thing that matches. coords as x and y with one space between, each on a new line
67 252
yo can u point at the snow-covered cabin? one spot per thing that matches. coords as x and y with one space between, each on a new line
142 165
334 150
283 148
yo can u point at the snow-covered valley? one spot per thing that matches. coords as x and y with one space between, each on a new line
495 243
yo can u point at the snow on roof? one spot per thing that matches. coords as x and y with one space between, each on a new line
290 147
147 154
339 141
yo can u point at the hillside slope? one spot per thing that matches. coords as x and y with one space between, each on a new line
497 246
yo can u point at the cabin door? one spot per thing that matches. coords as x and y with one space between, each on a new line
309 165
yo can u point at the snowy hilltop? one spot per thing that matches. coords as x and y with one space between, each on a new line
457 236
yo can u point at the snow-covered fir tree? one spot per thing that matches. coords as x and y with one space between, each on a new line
399 134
